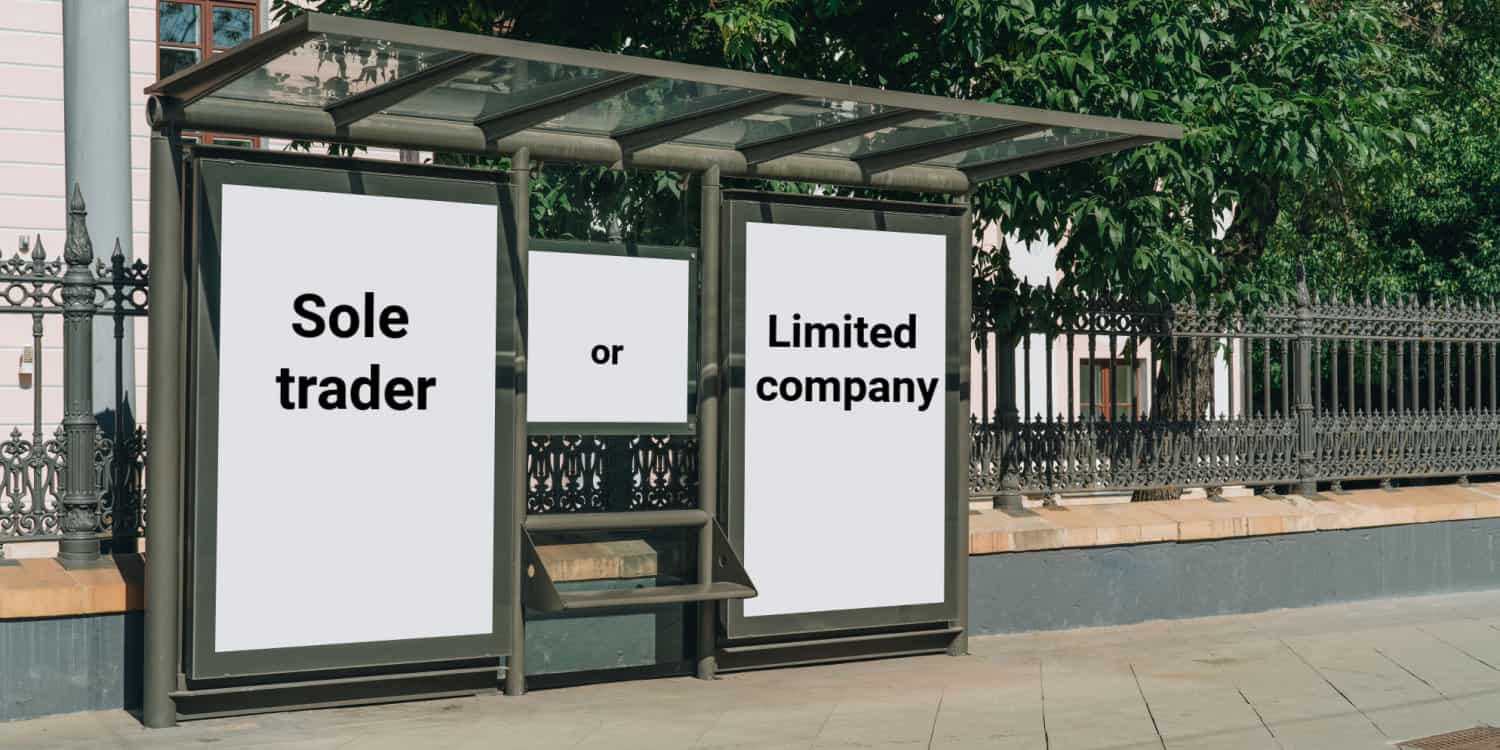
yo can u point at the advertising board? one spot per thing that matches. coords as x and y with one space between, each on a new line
842 352
347 387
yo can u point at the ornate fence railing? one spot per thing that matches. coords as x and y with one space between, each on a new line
1098 396
1116 397
44 496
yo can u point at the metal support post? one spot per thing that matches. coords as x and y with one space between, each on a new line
960 644
1307 449
80 500
520 200
164 459
708 414
1007 419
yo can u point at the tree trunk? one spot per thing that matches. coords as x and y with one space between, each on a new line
1182 391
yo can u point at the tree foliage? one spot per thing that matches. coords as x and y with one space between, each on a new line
1309 124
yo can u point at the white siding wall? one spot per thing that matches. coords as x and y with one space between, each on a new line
32 189
31 186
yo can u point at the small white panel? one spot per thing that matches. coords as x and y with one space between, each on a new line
608 339
844 496
371 517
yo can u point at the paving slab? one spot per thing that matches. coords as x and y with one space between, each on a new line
1341 677
1402 706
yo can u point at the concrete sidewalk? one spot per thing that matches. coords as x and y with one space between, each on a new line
1358 676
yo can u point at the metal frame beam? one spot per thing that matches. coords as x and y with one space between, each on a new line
672 128
164 466
218 71
526 116
776 147
916 153
391 131
354 108
318 23
1007 167
710 386
520 200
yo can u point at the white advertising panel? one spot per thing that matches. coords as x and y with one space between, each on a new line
607 339
844 473
356 388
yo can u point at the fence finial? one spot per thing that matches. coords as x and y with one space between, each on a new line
78 248
38 253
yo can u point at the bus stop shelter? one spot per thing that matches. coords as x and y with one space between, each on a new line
332 79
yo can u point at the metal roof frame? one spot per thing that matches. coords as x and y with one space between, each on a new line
188 99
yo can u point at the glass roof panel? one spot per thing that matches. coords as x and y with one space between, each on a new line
786 119
502 84
318 60
651 102
329 67
930 128
1027 145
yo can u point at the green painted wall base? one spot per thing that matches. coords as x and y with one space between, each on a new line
56 665
1055 589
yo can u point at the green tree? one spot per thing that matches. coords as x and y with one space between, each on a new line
1433 228
1295 111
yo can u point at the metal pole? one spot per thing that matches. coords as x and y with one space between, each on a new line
520 199
1007 418
80 500
164 415
708 413
96 137
960 644
1307 485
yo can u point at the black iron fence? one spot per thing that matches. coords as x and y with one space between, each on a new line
1101 395
1109 396
44 494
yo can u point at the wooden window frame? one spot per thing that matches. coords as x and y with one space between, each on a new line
1105 369
205 48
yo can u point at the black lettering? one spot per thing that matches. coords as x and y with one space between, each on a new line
774 342
794 392
599 354
299 306
284 379
897 384
853 386
393 321
909 329
305 383
929 389
332 396
827 333
423 384
827 389
351 317
367 384
398 394
760 389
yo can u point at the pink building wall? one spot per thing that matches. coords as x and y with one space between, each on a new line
32 189
1036 263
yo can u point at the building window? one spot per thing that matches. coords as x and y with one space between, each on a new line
187 30
1106 389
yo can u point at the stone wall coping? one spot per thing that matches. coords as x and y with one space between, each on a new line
1073 526
42 587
